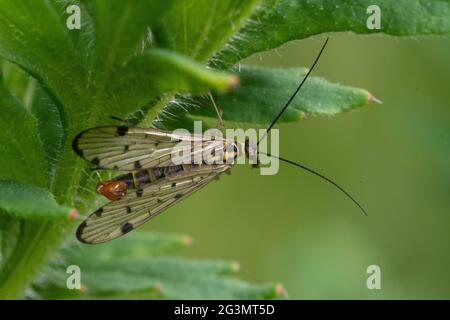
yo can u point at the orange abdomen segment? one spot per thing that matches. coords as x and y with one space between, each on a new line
113 189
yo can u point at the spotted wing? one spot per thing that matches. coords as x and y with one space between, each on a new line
131 148
120 217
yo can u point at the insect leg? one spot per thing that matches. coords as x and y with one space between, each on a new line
126 123
219 112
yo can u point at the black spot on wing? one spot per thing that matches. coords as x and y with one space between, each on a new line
96 161
127 227
128 209
178 195
122 130
139 192
137 165
75 148
79 233
98 212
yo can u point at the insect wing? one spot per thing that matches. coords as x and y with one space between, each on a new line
128 149
120 217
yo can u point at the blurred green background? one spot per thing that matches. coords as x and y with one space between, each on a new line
394 158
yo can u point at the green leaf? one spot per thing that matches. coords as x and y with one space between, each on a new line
50 126
17 82
280 21
10 230
262 94
23 18
130 267
25 160
120 27
221 288
33 35
30 202
80 39
140 245
157 71
198 28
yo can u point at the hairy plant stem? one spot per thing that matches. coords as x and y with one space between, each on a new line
155 109
41 239
37 244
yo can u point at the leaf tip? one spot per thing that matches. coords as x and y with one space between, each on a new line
302 115
233 81
235 266
187 240
73 214
372 98
280 290
84 289
158 288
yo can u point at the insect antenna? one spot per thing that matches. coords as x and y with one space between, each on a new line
320 176
295 163
295 92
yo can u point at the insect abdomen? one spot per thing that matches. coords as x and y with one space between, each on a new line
116 189
139 178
